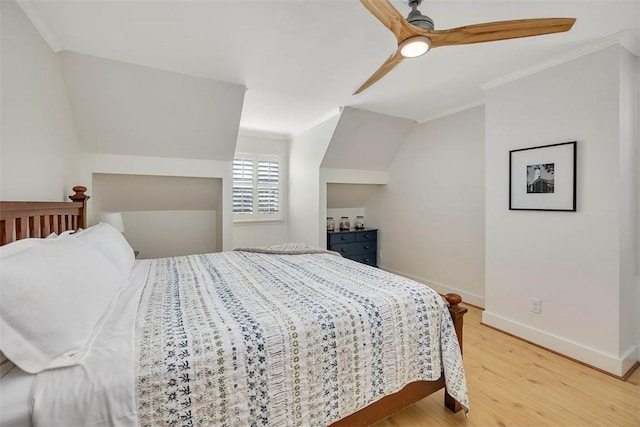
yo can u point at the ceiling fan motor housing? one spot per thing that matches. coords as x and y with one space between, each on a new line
418 19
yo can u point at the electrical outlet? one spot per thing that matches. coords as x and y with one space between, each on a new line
535 305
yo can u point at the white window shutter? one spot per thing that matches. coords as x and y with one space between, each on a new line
256 187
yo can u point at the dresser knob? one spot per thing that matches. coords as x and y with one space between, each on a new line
367 260
365 236
343 250
343 237
366 246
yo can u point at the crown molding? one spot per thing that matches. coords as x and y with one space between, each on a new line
464 107
30 10
625 39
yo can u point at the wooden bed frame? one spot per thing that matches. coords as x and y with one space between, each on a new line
20 220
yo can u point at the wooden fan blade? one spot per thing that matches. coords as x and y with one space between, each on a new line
388 65
501 30
390 18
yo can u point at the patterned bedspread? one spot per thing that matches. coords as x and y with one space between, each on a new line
248 338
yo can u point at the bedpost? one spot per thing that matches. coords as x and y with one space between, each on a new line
457 315
79 196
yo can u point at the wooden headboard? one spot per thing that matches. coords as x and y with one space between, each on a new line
19 220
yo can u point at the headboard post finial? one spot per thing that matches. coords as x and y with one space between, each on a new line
79 196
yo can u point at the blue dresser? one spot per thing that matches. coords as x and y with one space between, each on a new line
358 245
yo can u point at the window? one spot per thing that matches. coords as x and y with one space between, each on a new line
256 187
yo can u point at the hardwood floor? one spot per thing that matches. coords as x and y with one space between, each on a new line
513 383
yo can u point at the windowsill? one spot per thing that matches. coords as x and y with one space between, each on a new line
250 221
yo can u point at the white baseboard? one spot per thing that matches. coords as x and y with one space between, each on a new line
630 358
615 365
467 297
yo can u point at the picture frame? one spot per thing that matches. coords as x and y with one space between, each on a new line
543 178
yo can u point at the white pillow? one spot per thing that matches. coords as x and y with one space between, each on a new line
20 245
67 233
54 299
111 243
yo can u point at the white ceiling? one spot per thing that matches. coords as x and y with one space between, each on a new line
300 60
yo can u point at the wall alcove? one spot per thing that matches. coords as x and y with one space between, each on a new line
163 215
349 200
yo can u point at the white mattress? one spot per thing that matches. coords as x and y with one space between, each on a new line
15 388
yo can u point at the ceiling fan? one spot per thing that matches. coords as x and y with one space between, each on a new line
415 34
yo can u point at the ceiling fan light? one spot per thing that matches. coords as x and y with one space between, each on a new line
415 46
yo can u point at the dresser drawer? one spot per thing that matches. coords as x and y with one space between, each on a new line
369 259
346 237
347 249
363 236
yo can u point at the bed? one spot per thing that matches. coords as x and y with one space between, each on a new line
286 335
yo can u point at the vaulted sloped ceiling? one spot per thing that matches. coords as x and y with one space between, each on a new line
364 140
301 59
127 109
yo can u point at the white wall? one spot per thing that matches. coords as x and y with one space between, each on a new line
637 138
38 141
343 195
573 262
307 222
129 109
120 192
91 164
431 213
628 196
630 81
158 234
261 233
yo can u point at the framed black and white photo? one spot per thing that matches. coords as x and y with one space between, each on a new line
543 178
